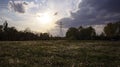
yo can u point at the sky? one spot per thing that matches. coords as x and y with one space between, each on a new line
46 15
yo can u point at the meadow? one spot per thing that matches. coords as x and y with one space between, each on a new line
59 53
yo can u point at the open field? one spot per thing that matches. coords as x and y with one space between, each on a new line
59 54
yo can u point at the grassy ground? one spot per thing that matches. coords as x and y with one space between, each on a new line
59 54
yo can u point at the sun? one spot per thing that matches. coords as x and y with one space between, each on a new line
46 21
45 18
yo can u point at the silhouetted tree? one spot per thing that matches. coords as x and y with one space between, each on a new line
112 30
80 28
44 36
102 36
81 33
1 32
11 33
27 30
5 26
87 33
72 33
1 28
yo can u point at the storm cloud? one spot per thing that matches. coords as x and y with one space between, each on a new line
17 6
93 12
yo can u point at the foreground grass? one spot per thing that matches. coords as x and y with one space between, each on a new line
59 54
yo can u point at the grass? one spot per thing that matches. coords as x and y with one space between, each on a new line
59 54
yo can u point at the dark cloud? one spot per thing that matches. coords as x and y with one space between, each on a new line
25 3
94 12
17 6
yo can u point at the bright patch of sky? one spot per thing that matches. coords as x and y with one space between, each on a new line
24 13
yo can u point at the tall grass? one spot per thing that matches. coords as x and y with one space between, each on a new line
59 54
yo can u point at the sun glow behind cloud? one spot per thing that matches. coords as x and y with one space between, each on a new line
46 20
73 13
39 15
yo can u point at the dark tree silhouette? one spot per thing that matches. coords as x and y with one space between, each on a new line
11 33
5 26
81 33
72 33
87 33
112 30
1 28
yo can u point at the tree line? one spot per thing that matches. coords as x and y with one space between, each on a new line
111 32
11 34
